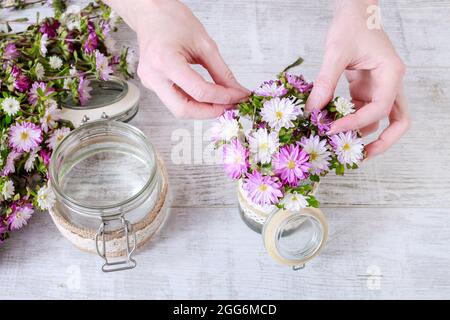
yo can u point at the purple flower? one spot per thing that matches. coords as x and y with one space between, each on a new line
91 43
321 120
22 83
25 136
106 28
262 190
299 83
70 41
49 27
21 213
91 26
235 159
271 88
10 52
291 164
34 95
84 90
103 68
45 155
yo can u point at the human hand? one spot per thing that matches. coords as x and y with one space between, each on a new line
170 39
374 72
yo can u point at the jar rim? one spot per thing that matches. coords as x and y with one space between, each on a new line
113 80
109 210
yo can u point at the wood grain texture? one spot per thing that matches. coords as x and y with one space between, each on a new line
210 253
390 230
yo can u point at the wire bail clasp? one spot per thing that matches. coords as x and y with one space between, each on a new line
128 262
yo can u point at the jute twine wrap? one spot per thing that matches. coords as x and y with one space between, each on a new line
84 238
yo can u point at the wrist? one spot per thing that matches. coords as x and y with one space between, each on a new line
133 11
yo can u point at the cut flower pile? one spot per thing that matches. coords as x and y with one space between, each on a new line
39 67
277 150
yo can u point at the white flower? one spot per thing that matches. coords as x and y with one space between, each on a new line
39 70
246 123
279 113
343 106
348 147
113 19
226 127
110 45
11 106
21 216
131 61
103 68
72 17
43 45
29 164
68 81
55 62
271 89
52 114
294 201
263 145
7 189
45 198
319 156
57 136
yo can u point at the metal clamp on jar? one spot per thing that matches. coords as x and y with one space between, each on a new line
109 183
291 238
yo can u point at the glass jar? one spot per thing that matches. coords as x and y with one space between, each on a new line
110 185
291 237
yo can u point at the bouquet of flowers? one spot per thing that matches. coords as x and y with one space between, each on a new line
277 150
49 61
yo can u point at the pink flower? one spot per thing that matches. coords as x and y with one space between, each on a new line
299 83
235 159
10 52
271 88
103 68
9 165
262 190
84 90
49 27
91 43
321 120
20 215
25 136
291 164
34 95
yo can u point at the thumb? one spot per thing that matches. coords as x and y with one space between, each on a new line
325 84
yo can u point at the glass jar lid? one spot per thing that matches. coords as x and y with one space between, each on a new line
115 99
103 169
293 238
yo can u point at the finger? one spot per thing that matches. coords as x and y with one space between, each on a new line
360 84
371 128
386 85
180 104
219 71
180 72
399 123
332 68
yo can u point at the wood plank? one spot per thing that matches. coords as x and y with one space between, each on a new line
210 253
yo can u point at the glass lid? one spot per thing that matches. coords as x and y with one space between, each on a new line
103 168
292 238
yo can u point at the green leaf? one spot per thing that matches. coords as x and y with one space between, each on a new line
315 178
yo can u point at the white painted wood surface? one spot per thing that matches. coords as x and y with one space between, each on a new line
389 220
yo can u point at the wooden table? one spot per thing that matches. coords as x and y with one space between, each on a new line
389 220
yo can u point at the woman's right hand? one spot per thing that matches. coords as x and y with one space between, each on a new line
170 39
